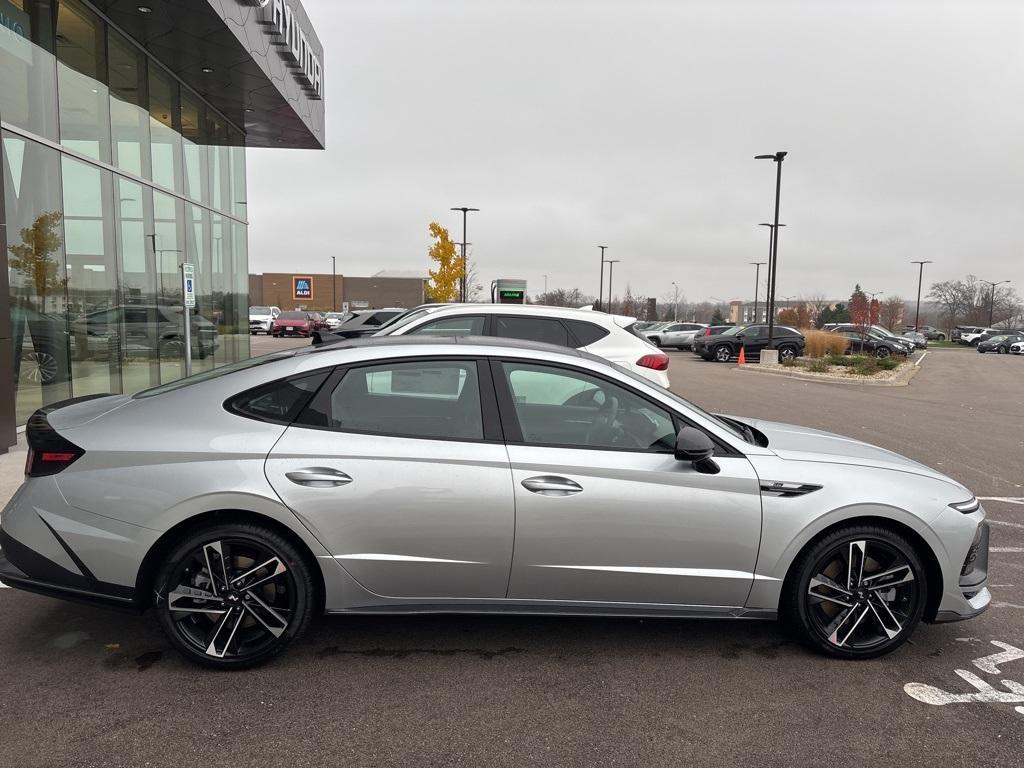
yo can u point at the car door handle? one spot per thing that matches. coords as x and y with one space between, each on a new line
551 485
318 477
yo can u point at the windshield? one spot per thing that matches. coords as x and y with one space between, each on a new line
259 310
732 331
403 320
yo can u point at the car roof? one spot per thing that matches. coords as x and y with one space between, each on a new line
537 309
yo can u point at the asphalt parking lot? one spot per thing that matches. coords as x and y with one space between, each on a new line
89 687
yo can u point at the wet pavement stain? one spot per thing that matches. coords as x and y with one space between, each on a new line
148 659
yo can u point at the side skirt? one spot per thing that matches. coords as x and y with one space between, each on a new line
518 608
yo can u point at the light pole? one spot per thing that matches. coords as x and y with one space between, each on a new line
334 286
611 265
675 302
920 277
992 298
777 158
771 241
545 285
464 210
757 280
600 285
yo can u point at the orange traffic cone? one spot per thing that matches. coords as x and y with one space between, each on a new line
743 357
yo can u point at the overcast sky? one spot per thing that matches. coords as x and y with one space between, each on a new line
634 124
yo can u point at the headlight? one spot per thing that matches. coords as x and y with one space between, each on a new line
966 506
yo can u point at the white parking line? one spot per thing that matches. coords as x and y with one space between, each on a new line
1003 522
1013 550
922 357
1004 499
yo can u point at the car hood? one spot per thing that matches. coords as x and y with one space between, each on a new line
260 317
794 443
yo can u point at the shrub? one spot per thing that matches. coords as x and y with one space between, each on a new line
821 343
788 363
818 365
842 360
866 366
888 363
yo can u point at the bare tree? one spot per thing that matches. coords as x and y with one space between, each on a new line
561 297
891 315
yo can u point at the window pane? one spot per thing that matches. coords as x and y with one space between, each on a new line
35 261
165 124
422 399
546 330
81 80
28 85
197 253
560 407
94 302
166 243
129 106
467 325
193 131
278 400
140 341
586 333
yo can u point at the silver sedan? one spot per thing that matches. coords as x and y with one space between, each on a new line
399 475
678 335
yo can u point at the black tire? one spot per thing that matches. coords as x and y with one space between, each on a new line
871 548
172 349
263 619
722 353
787 352
1002 349
941 337
882 352
656 340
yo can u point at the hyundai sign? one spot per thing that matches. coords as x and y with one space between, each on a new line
302 287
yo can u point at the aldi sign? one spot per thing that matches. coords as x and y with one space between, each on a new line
302 287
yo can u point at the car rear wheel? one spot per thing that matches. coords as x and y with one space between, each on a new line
857 593
940 337
233 596
787 352
722 353
655 340
1001 349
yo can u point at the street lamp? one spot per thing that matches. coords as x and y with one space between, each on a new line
545 285
757 278
600 285
464 212
777 158
611 265
675 302
992 298
771 241
920 276
334 287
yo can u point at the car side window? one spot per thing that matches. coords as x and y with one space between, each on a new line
462 325
437 399
278 401
545 329
585 333
562 407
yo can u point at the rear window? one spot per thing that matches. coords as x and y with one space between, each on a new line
543 329
292 316
214 373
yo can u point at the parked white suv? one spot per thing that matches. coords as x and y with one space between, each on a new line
972 335
609 336
678 335
262 319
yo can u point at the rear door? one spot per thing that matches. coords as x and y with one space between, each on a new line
399 469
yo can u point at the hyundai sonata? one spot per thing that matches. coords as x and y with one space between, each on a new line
408 475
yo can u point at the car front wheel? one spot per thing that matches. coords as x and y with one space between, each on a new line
1001 349
233 596
857 593
722 353
882 352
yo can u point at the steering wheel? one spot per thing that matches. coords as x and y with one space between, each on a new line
603 428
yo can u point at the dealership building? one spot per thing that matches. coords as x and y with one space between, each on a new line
124 129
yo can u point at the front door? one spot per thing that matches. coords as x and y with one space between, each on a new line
395 472
605 513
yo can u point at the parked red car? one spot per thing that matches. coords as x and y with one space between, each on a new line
293 324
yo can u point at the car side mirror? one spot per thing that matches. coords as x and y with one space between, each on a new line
696 447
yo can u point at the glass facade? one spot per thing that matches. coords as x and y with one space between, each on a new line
114 174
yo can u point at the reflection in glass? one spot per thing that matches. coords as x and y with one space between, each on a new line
205 335
28 86
35 260
167 241
164 124
140 363
81 74
129 105
193 131
94 305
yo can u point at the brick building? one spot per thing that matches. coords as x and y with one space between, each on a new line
307 290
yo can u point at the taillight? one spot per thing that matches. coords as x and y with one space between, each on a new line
48 451
657 362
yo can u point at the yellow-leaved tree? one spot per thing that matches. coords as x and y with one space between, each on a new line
446 279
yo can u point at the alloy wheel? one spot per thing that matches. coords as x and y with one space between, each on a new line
882 352
231 598
863 595
723 353
787 353
38 367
